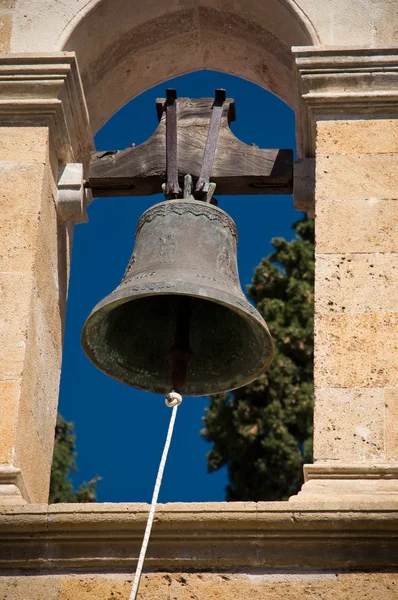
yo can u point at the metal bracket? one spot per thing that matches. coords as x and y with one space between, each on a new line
72 197
193 136
209 194
204 189
187 192
203 182
172 186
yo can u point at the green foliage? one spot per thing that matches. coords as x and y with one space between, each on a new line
64 464
263 431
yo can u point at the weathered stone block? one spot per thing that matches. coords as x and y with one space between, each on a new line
9 404
356 226
50 268
349 424
356 283
18 235
23 144
365 483
36 413
31 318
7 4
356 350
21 187
5 31
228 586
15 292
355 177
46 296
391 432
12 356
37 587
40 378
42 90
37 409
362 136
15 289
31 457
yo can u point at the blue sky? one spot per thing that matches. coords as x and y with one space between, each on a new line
120 431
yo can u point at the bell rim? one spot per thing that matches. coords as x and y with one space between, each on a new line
120 297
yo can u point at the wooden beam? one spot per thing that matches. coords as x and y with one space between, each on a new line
238 168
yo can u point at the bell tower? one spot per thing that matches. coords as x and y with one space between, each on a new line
65 68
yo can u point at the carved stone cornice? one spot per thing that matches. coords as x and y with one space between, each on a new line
374 472
334 480
338 83
197 536
46 89
12 486
344 83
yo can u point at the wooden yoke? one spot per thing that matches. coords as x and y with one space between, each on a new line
237 167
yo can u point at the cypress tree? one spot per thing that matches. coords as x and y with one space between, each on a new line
263 431
64 464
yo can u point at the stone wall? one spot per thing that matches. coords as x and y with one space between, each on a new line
206 586
39 130
200 551
349 103
31 316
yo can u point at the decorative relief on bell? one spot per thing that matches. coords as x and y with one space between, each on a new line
168 247
226 264
129 267
133 279
198 209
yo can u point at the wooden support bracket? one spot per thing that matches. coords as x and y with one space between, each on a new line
237 168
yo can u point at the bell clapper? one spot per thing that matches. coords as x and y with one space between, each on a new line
188 188
180 354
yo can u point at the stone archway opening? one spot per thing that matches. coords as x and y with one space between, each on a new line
102 249
122 52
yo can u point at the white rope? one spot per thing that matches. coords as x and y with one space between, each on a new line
173 400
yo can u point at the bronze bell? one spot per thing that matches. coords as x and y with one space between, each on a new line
179 318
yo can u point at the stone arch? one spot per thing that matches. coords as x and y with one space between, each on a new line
121 52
